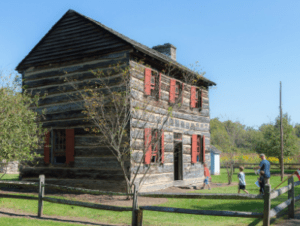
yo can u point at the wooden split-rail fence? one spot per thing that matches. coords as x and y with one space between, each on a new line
137 211
251 165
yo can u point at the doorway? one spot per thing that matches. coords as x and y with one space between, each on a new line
178 174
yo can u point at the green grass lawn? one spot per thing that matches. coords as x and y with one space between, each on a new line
9 176
31 222
158 218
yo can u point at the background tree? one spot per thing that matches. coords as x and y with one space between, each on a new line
297 130
270 144
219 136
20 128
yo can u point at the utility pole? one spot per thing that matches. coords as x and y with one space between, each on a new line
281 138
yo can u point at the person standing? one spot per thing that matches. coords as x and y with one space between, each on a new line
261 181
207 177
265 166
242 180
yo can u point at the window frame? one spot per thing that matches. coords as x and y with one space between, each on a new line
62 143
154 92
156 146
178 85
199 149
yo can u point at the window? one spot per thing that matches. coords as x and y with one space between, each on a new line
196 98
176 91
58 152
152 83
62 146
154 146
198 148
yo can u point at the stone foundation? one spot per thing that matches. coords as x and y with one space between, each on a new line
12 168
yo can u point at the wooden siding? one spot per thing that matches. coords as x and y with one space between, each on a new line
92 160
185 120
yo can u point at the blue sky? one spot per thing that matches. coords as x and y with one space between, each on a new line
246 47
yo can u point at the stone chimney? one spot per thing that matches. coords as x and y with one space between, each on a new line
167 49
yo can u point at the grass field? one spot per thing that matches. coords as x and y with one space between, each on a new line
157 218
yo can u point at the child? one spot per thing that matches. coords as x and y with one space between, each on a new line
242 181
207 176
261 181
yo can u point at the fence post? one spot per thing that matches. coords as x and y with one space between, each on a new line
41 195
267 205
291 195
134 205
139 217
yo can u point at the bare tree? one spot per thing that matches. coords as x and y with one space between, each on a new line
113 106
229 165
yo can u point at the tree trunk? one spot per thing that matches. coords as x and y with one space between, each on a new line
281 169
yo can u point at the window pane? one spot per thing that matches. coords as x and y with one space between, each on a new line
59 146
152 80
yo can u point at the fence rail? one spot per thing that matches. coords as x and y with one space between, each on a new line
85 191
199 195
86 204
23 184
137 212
203 212
18 197
236 165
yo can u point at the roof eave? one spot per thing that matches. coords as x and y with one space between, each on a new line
210 83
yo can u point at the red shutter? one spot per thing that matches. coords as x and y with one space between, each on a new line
193 97
162 146
159 86
47 148
70 145
203 147
201 99
182 88
194 148
148 145
147 81
172 90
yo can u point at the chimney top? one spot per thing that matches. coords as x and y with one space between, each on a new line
166 49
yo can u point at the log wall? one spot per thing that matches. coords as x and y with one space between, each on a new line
94 164
185 120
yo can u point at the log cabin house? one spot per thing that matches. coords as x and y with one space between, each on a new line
76 44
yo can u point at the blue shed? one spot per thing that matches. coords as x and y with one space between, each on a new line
215 160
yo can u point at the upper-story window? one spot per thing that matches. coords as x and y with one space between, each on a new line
196 98
152 83
176 91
